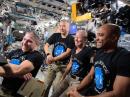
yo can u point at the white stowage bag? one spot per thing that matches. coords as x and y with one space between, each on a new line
35 87
32 88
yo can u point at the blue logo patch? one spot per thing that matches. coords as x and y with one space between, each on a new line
99 78
75 67
59 49
15 61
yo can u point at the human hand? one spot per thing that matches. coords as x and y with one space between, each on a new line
73 88
27 76
49 59
73 93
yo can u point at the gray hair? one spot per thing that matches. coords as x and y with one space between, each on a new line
84 33
35 37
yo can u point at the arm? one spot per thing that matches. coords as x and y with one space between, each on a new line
63 55
49 57
46 48
2 71
87 80
67 70
49 42
16 70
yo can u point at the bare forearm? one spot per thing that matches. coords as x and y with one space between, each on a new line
65 73
6 72
18 70
62 56
24 68
46 48
10 70
85 82
67 70
2 71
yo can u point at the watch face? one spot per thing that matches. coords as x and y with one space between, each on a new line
48 54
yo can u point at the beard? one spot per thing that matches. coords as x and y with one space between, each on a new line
99 45
27 48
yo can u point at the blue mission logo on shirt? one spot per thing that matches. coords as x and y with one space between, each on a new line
15 61
59 49
100 76
75 67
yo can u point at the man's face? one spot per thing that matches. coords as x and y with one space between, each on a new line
79 39
103 38
63 27
28 42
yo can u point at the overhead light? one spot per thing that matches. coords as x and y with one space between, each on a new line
120 3
21 32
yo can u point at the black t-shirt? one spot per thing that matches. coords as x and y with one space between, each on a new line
107 66
61 44
16 57
81 62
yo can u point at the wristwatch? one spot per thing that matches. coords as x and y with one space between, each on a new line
47 54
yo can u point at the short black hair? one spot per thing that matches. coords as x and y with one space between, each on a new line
112 28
